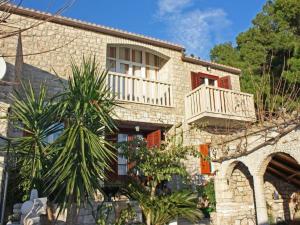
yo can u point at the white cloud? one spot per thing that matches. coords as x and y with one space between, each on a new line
197 30
172 6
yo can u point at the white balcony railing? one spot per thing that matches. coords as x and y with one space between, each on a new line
140 90
213 102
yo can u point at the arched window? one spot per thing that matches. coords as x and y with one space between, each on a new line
134 61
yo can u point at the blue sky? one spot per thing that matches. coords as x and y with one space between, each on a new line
196 24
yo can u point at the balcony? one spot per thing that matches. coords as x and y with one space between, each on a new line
140 90
218 107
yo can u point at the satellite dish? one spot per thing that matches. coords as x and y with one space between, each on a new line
2 67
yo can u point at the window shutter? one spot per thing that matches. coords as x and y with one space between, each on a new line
195 80
154 139
224 82
112 173
204 161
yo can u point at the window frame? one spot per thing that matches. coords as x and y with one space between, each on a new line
131 63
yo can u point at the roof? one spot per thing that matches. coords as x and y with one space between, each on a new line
31 13
211 64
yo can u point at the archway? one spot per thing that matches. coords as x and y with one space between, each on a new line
282 188
241 186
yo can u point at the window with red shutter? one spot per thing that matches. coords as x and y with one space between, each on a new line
196 80
199 79
154 139
204 161
224 82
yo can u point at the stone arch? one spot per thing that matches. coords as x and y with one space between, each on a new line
228 167
238 196
278 189
266 160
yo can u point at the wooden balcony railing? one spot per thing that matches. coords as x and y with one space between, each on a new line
140 90
214 102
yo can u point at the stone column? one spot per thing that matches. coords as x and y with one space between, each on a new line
260 201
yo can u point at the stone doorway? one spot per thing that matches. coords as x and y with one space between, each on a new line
241 185
282 189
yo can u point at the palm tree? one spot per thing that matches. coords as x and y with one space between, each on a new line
82 153
35 116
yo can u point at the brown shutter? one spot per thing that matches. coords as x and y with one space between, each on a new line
195 80
154 139
204 161
224 82
112 174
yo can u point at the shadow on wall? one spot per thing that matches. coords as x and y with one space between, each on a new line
37 76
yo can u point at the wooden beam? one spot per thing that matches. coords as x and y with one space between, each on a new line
283 167
287 158
283 176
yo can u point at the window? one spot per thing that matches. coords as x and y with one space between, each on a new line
124 68
202 78
112 52
137 71
122 160
211 82
137 56
133 62
112 65
124 53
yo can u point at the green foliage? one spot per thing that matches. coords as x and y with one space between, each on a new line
73 167
208 192
82 153
105 212
36 117
269 49
152 169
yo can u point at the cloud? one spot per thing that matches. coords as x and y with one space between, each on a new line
172 6
197 30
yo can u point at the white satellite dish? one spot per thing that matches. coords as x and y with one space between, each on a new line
2 67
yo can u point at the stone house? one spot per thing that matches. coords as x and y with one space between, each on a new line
159 87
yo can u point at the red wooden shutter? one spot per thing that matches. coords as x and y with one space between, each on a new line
154 139
224 82
204 161
195 78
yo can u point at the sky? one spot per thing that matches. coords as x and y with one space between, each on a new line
198 25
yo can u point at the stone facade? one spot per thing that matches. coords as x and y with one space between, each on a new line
272 195
48 49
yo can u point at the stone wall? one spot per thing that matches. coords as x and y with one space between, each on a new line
60 44
264 185
278 197
239 208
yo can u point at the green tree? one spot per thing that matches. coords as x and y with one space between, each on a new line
82 153
270 47
35 116
150 170
72 168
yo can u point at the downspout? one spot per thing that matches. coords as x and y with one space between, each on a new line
4 198
5 183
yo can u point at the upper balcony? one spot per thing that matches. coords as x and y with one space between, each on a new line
140 90
218 106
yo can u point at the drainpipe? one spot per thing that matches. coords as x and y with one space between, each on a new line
5 169
4 198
